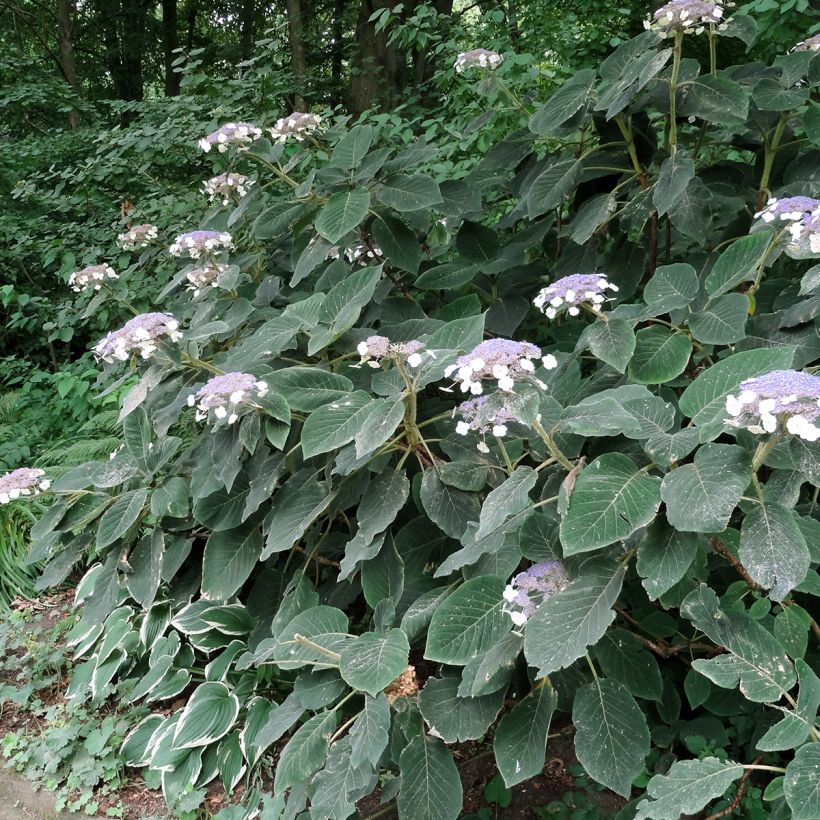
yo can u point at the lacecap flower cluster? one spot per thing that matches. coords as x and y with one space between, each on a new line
237 134
228 396
195 243
357 252
91 277
803 214
810 44
478 58
571 293
203 277
780 400
296 125
375 348
685 16
484 415
529 589
225 187
22 482
139 335
137 236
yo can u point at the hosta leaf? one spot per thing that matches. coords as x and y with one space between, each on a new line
704 401
773 549
229 559
801 785
455 718
468 622
660 355
520 741
430 785
612 342
611 499
209 715
373 661
341 213
688 787
146 565
306 751
611 734
570 621
700 497
755 660
664 555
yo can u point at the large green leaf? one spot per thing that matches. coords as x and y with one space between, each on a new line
209 714
754 659
381 503
295 506
550 187
704 401
660 355
146 565
506 500
306 751
430 785
802 786
687 788
449 508
520 741
773 549
671 286
738 263
572 620
398 243
611 734
409 193
611 499
120 516
384 417
341 213
455 718
700 497
612 342
624 659
468 622
564 102
308 388
345 299
370 732
334 425
794 728
664 555
722 321
716 99
228 560
373 660
352 148
674 176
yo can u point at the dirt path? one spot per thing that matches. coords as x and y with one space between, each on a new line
18 801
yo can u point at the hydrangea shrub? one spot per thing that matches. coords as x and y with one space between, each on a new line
413 461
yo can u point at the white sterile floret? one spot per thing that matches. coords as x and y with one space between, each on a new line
375 349
779 400
226 187
137 236
478 58
22 482
204 277
228 396
296 125
529 589
138 335
503 360
197 243
237 134
91 277
572 293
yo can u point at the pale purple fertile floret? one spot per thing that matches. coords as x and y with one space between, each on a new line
139 335
227 396
573 292
195 243
781 398
22 482
375 348
225 187
484 415
529 589
137 236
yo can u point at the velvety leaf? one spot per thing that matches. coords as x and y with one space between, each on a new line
664 555
675 173
430 784
409 193
370 731
306 751
564 102
612 342
738 263
333 425
552 185
120 516
802 792
373 661
449 508
455 718
660 355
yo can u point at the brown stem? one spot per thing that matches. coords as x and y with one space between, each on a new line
741 790
722 549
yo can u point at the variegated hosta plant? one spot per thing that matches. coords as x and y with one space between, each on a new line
410 460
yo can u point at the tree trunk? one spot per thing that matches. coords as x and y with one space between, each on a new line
337 52
377 69
132 46
246 25
193 9
65 27
297 50
170 42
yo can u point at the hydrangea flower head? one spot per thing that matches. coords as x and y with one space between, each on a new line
478 57
787 399
21 482
204 277
482 415
504 360
685 15
811 44
225 186
295 125
529 589
228 396
573 292
139 335
375 348
91 277
358 252
137 236
198 242
240 134
789 209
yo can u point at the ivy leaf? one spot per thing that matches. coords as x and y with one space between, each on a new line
373 661
800 785
773 549
611 734
468 622
660 355
430 785
664 555
612 342
687 788
611 499
570 621
342 213
520 741
701 497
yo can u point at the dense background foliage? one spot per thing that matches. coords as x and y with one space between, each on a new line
326 577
